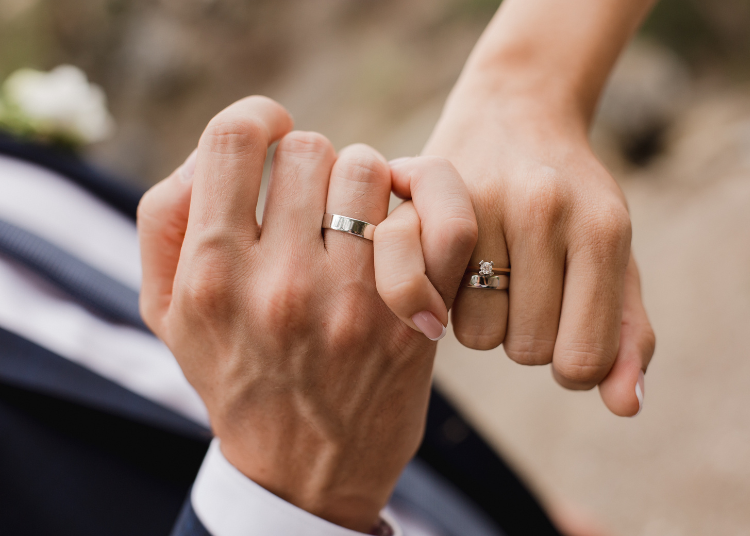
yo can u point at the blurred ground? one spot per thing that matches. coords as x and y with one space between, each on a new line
674 128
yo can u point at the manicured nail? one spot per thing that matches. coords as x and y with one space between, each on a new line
429 325
188 168
640 391
399 161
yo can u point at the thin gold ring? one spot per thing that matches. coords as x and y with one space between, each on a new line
485 277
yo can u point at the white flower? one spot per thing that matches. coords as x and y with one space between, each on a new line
60 104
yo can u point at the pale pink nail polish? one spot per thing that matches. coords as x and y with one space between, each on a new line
429 325
640 391
188 168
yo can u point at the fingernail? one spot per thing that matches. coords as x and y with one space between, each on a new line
429 325
398 161
188 168
640 391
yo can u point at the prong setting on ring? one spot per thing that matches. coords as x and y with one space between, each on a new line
486 278
485 268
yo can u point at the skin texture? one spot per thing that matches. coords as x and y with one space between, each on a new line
317 391
516 128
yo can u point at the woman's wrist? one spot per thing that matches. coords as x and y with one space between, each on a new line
488 102
523 93
557 53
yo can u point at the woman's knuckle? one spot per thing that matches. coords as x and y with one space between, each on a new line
479 338
476 333
436 163
648 342
392 230
462 232
584 365
529 350
609 225
546 200
397 290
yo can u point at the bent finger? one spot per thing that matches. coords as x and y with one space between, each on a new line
400 273
162 220
623 389
589 332
360 188
448 224
231 155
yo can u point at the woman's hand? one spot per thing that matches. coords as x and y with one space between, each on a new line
516 127
548 208
316 390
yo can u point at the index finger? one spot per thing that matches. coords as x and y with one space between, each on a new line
229 167
449 226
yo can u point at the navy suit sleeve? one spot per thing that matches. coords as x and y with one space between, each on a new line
188 523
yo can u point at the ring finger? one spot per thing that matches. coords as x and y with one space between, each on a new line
359 188
480 316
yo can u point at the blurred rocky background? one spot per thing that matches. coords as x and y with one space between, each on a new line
674 128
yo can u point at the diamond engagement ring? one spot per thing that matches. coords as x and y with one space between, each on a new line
486 278
344 224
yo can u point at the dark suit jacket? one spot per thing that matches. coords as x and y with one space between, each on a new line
81 455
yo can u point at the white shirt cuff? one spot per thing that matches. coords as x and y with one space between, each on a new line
230 504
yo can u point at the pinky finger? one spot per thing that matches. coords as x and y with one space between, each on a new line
400 274
623 390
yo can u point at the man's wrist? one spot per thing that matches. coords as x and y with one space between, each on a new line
311 489
228 503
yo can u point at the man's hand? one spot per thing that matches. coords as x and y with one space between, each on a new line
317 391
516 128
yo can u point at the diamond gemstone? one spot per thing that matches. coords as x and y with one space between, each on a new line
485 268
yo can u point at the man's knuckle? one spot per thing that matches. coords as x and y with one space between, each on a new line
287 304
231 133
305 144
145 205
148 309
341 332
360 163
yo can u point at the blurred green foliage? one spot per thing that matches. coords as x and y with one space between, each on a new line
711 35
25 41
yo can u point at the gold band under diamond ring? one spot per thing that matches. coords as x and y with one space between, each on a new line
485 277
344 224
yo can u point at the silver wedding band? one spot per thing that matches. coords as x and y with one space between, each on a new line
484 277
491 282
344 224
